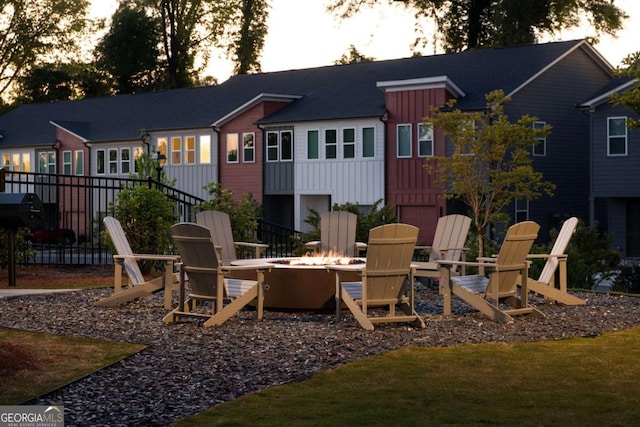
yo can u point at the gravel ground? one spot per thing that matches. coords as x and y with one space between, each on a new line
187 368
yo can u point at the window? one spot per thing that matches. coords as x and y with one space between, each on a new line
26 162
404 140
425 140
47 162
205 149
6 161
176 150
272 146
248 147
232 148
312 144
162 146
137 153
125 160
540 148
617 136
66 162
78 159
190 150
330 143
348 143
286 144
368 142
113 161
522 210
100 162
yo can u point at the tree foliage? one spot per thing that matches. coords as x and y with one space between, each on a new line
466 24
247 38
353 56
490 164
130 51
630 98
37 30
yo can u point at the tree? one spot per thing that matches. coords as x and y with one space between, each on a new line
33 29
485 23
248 38
130 51
630 98
490 165
353 56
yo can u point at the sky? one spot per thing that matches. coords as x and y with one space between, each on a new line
303 35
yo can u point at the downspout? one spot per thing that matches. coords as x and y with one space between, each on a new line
217 131
384 119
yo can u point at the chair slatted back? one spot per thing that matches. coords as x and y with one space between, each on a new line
338 232
389 253
514 250
121 244
559 248
451 232
219 225
198 255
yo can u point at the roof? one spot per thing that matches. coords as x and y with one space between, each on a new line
618 84
322 93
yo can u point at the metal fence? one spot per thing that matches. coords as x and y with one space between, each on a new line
71 229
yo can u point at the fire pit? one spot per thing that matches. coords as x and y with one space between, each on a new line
302 283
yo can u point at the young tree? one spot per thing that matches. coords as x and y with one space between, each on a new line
467 24
130 51
630 98
32 29
490 164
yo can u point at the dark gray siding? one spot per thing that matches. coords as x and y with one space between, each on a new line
552 98
278 178
614 176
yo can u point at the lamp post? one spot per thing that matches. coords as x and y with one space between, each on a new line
159 159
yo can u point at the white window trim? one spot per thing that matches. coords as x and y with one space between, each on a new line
117 161
104 162
317 131
187 150
334 144
542 142
179 152
252 149
354 143
626 137
433 148
78 159
398 126
280 150
237 160
121 160
271 147
69 163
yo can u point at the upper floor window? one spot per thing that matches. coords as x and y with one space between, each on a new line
78 161
617 136
248 147
205 149
279 146
540 147
522 210
232 148
330 144
176 150
368 142
403 140
425 140
189 150
348 143
312 144
66 162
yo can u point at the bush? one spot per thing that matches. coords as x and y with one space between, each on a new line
146 215
23 250
628 278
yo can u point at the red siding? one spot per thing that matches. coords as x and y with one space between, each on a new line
410 188
243 178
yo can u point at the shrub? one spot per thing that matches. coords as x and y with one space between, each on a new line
146 215
628 278
23 250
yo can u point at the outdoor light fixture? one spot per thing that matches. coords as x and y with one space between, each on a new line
159 159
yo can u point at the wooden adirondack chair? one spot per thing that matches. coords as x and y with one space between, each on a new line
487 294
387 278
219 225
337 234
448 244
209 280
556 262
138 287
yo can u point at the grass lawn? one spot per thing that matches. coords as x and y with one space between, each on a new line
576 382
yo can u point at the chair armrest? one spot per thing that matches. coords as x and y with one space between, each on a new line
151 257
497 267
312 244
251 244
251 267
545 256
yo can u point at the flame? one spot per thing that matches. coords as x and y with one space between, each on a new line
322 258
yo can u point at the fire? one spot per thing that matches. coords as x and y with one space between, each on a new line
322 258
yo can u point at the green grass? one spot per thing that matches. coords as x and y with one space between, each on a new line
32 364
576 382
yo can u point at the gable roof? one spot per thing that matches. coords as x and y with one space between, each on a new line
618 84
322 93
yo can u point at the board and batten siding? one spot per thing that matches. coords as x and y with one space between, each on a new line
356 180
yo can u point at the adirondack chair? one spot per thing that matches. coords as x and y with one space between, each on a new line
209 280
219 225
448 244
387 278
125 259
556 262
337 234
487 294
